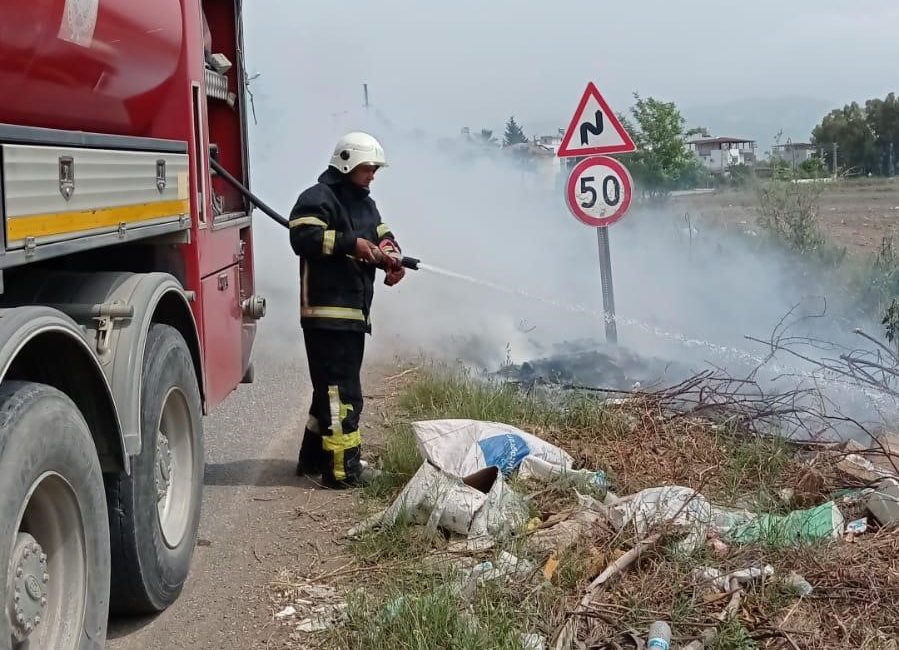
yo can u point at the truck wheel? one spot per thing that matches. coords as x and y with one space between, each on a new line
155 512
54 535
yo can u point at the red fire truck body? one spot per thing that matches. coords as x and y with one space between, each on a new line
128 306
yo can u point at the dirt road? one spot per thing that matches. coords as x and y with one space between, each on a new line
258 517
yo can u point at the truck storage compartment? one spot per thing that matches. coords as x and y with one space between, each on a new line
222 325
57 194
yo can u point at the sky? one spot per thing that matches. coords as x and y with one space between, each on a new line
444 65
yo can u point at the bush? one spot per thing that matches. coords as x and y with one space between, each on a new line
789 211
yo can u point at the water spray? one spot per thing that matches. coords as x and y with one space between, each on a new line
416 264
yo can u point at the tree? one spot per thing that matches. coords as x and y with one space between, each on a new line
662 161
486 137
514 133
856 143
883 119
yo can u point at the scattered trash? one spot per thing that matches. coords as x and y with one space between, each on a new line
506 568
857 527
565 534
320 607
861 468
537 468
533 642
549 569
462 447
707 576
480 506
722 581
852 498
602 507
503 513
719 546
751 573
799 583
671 504
786 495
884 502
821 522
883 453
322 618
659 636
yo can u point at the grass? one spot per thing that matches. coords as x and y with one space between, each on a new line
407 601
401 540
755 466
732 636
399 461
422 612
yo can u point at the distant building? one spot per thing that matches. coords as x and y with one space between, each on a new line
794 153
718 154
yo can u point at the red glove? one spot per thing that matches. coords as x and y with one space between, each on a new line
393 256
394 276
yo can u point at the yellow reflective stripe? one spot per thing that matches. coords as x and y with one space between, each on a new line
62 223
347 313
328 242
338 442
383 229
332 443
307 221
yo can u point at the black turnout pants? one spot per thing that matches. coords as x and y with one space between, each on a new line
332 444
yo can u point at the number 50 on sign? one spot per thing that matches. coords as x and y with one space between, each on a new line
599 191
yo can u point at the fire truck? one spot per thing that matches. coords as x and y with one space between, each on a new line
127 301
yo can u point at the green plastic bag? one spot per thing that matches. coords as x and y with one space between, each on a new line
799 527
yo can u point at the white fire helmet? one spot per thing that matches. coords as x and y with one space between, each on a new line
356 149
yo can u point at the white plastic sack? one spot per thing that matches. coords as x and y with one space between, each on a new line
535 467
434 498
503 512
462 447
670 504
481 506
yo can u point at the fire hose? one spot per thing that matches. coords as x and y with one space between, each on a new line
408 262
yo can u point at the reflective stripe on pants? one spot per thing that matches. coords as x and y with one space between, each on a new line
335 361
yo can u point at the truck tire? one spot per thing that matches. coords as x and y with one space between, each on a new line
54 535
154 513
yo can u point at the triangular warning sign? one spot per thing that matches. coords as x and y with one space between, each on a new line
595 129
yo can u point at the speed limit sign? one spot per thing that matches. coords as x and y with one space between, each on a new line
599 191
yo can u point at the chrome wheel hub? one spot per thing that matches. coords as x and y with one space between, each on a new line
28 586
163 469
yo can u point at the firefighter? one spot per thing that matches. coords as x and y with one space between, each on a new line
336 230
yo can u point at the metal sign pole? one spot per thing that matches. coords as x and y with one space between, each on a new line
608 295
600 188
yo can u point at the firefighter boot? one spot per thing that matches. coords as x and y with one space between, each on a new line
312 460
366 476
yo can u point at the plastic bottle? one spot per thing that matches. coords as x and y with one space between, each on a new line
659 636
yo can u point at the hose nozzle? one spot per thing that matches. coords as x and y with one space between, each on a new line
411 263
